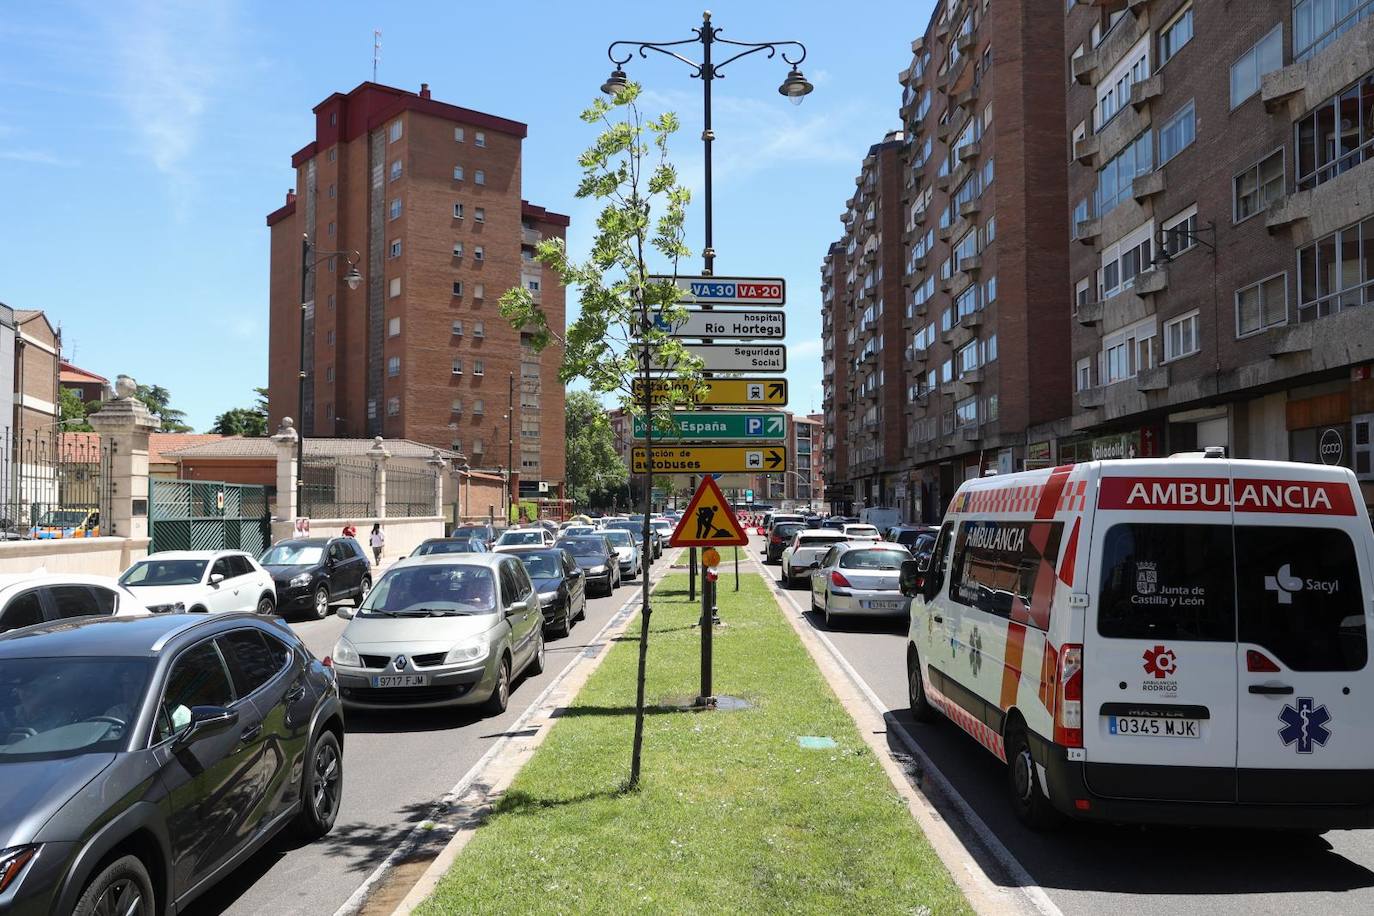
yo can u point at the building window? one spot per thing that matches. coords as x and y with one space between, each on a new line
458 287
478 254
1125 260
393 406
457 211
477 367
1317 23
394 288
329 337
1254 189
480 214
1336 272
395 132
1175 35
330 302
457 367
394 250
1114 179
459 135
1128 351
1266 56
1082 293
458 328
479 291
457 173
479 138
532 285
457 406
329 230
330 264
478 407
329 374
966 413
477 447
1337 135
333 192
479 177
457 249
1263 305
1114 92
1084 374
1179 232
333 153
478 329
1180 337
395 208
393 327
1178 133
393 366
395 169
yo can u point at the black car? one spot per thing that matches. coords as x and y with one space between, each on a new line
313 573
459 544
779 536
908 535
486 532
561 584
597 559
143 758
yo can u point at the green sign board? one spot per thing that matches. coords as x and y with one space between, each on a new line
716 426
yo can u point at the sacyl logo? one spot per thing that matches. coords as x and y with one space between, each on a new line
1284 584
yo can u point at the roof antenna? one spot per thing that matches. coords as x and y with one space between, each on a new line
376 51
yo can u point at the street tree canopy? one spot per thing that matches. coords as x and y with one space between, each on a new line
73 411
595 472
157 399
250 422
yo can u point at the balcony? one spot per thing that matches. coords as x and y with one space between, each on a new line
1092 398
1152 281
1089 314
1085 68
1303 85
919 358
972 377
1089 231
1114 45
1148 185
946 389
970 433
965 42
1156 379
943 130
970 208
966 98
942 182
970 151
971 320
1085 150
1147 90
530 236
1331 205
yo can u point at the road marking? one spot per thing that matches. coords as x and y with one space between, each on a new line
1035 896
432 826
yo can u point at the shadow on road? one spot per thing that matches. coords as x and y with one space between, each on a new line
896 626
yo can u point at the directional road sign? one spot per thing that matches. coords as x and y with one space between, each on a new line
770 291
708 522
716 426
751 325
735 357
707 459
733 392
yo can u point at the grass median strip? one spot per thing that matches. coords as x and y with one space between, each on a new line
735 814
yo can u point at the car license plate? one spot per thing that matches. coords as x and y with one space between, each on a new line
401 680
1154 728
884 605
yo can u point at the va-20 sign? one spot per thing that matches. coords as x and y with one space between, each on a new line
771 291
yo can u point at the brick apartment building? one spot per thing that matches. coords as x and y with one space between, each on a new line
428 194
1220 200
944 354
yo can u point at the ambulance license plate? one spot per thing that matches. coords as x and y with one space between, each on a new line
401 680
1154 728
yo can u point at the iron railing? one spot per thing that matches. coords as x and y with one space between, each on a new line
208 515
409 493
338 488
52 484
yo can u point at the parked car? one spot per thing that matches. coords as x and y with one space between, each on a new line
636 530
27 599
484 531
808 545
143 758
66 523
626 551
515 538
862 532
201 581
450 545
859 580
597 559
313 573
561 584
779 536
834 523
664 527
578 530
450 630
908 535
880 517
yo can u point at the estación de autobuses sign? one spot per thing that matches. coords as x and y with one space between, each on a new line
1215 494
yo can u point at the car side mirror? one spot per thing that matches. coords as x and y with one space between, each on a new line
205 722
344 613
216 578
517 607
911 578
815 564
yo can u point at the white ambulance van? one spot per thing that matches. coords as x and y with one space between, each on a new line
1180 640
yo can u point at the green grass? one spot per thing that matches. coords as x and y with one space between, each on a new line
732 816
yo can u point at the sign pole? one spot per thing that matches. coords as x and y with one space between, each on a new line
736 569
706 697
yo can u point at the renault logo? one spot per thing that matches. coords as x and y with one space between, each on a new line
400 662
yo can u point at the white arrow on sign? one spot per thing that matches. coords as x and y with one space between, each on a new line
719 323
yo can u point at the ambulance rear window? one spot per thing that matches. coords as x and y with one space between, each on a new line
1168 582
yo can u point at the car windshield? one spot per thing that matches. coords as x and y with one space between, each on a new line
65 518
521 537
633 529
471 531
292 555
579 530
787 529
885 558
454 546
861 531
164 572
820 540
542 565
618 537
63 707
584 547
432 591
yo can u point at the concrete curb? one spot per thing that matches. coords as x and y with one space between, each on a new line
964 860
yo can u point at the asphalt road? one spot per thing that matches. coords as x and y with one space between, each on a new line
396 766
1095 869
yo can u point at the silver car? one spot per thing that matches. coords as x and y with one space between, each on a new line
445 630
854 579
626 550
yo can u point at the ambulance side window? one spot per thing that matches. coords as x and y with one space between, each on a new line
1168 582
1300 597
999 569
939 561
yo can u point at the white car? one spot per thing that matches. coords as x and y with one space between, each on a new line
202 581
30 598
807 547
521 538
626 551
859 580
862 533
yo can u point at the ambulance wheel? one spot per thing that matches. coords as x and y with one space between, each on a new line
921 710
1028 798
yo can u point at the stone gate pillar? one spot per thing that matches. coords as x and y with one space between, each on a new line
125 424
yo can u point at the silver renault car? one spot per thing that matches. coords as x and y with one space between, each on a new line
442 630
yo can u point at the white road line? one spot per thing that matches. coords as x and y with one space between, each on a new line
428 829
1035 895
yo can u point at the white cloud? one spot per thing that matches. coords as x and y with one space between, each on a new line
34 157
804 348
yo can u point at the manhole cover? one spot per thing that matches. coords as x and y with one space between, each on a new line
815 742
731 703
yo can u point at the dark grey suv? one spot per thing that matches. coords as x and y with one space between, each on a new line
143 758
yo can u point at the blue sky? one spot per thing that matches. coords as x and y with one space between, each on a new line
142 143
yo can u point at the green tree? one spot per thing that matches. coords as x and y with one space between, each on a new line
241 421
157 399
623 312
594 467
73 411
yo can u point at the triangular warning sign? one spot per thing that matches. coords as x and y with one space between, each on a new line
708 521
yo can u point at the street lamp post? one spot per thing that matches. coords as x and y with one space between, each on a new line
354 279
794 87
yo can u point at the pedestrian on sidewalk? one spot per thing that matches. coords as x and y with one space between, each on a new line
349 531
378 540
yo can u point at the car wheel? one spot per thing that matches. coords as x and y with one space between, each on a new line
266 606
123 887
563 629
921 710
830 618
320 606
1028 798
363 591
582 612
500 694
322 788
536 665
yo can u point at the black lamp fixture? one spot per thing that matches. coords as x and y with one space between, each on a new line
616 82
796 87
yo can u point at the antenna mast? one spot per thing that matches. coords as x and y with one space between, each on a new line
376 51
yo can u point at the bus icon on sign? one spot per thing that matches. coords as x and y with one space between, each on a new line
755 393
753 460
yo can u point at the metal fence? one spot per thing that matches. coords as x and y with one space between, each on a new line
409 493
206 515
52 484
338 488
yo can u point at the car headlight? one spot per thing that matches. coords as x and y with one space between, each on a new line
300 581
468 651
547 598
176 607
598 570
12 862
345 654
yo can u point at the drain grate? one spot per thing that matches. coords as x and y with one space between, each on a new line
815 742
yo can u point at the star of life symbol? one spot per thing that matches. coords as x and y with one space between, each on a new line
1305 725
1146 578
1160 662
975 653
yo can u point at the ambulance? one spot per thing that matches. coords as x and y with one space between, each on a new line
1180 640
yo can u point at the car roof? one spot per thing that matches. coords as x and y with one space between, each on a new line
9 580
810 533
304 542
194 554
531 551
453 559
526 529
138 635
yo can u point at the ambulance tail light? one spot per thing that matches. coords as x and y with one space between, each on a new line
1258 662
1068 707
838 580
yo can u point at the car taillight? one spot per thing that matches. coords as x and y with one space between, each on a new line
776 539
327 661
1259 662
837 578
1068 707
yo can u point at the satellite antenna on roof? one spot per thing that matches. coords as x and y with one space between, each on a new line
376 51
